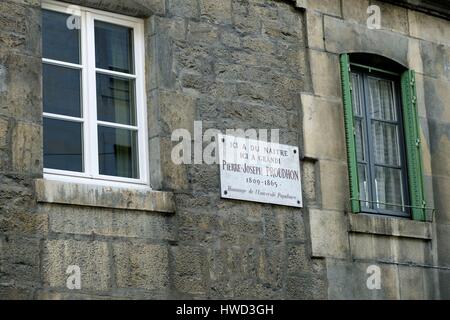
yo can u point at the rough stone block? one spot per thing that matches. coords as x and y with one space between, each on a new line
216 12
184 8
306 287
91 256
140 265
21 28
177 111
19 262
20 86
27 148
188 269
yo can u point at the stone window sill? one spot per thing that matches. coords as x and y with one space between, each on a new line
362 223
91 195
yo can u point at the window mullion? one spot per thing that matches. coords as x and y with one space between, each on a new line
370 148
85 95
92 96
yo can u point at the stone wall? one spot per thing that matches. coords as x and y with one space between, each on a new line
412 256
232 64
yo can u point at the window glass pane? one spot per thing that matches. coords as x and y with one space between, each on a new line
62 90
357 101
363 186
386 143
115 100
382 99
60 37
389 189
118 154
113 47
63 145
360 141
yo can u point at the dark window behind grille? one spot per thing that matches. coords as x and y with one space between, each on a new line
379 140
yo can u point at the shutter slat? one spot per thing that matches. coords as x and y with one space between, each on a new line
350 132
413 146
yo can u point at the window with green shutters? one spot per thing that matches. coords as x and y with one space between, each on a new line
383 141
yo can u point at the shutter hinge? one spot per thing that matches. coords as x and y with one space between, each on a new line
412 82
417 142
414 99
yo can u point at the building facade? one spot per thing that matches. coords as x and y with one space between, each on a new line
92 205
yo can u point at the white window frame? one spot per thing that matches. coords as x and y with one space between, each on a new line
88 69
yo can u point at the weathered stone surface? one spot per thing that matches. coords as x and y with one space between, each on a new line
189 270
393 17
440 147
390 249
334 185
184 8
348 280
417 283
26 148
19 262
103 196
135 8
217 12
177 111
325 74
436 60
355 10
140 265
231 64
443 245
323 127
103 222
328 231
344 37
314 21
359 223
309 182
91 256
20 86
331 7
21 28
428 27
441 185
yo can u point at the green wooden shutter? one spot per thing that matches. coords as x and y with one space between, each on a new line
412 140
350 133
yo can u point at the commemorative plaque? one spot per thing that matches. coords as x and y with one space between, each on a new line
259 171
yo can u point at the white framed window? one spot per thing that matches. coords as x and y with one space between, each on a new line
94 114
